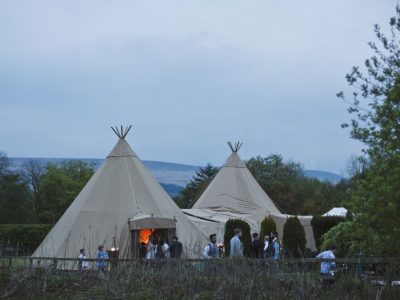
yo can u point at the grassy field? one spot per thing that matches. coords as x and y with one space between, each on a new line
220 279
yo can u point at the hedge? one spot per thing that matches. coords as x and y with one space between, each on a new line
229 233
24 236
294 238
322 225
268 226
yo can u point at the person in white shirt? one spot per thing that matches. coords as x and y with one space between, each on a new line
266 242
83 263
151 248
211 250
165 249
327 266
162 249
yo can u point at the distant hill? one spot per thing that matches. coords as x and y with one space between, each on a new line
172 177
323 176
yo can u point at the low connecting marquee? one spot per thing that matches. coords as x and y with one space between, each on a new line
121 132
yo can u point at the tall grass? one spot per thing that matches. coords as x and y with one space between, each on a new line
175 279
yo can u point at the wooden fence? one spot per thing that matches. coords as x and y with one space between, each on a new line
381 265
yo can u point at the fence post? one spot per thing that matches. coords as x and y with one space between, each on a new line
54 264
30 262
10 262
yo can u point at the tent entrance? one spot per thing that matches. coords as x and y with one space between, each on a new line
141 228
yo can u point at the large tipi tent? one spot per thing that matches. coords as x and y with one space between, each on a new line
235 193
122 195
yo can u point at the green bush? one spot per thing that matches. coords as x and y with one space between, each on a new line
246 238
26 236
294 238
322 225
267 226
352 240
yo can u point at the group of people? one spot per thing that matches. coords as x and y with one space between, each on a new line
154 249
211 250
269 248
160 248
101 256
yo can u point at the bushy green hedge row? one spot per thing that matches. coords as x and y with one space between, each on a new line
246 238
294 238
267 226
27 236
322 225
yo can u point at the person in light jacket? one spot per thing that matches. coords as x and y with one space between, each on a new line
151 248
327 267
276 246
236 244
102 257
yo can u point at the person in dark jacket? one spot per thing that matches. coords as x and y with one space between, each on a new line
176 248
257 247
159 249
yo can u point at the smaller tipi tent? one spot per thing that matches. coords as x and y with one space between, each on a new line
120 199
233 193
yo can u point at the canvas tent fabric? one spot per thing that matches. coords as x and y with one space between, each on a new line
336 211
120 190
235 194
235 190
210 226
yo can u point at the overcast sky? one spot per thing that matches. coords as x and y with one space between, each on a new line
188 75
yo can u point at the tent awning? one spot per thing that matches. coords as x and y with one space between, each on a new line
145 222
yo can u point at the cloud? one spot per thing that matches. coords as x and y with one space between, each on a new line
188 76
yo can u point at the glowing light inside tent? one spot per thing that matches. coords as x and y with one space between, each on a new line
144 235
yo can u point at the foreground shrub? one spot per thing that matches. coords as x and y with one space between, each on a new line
294 237
322 225
210 279
246 238
267 226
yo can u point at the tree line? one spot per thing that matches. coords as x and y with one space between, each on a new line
283 180
37 193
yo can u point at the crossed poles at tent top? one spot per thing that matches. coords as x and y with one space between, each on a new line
236 147
121 132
